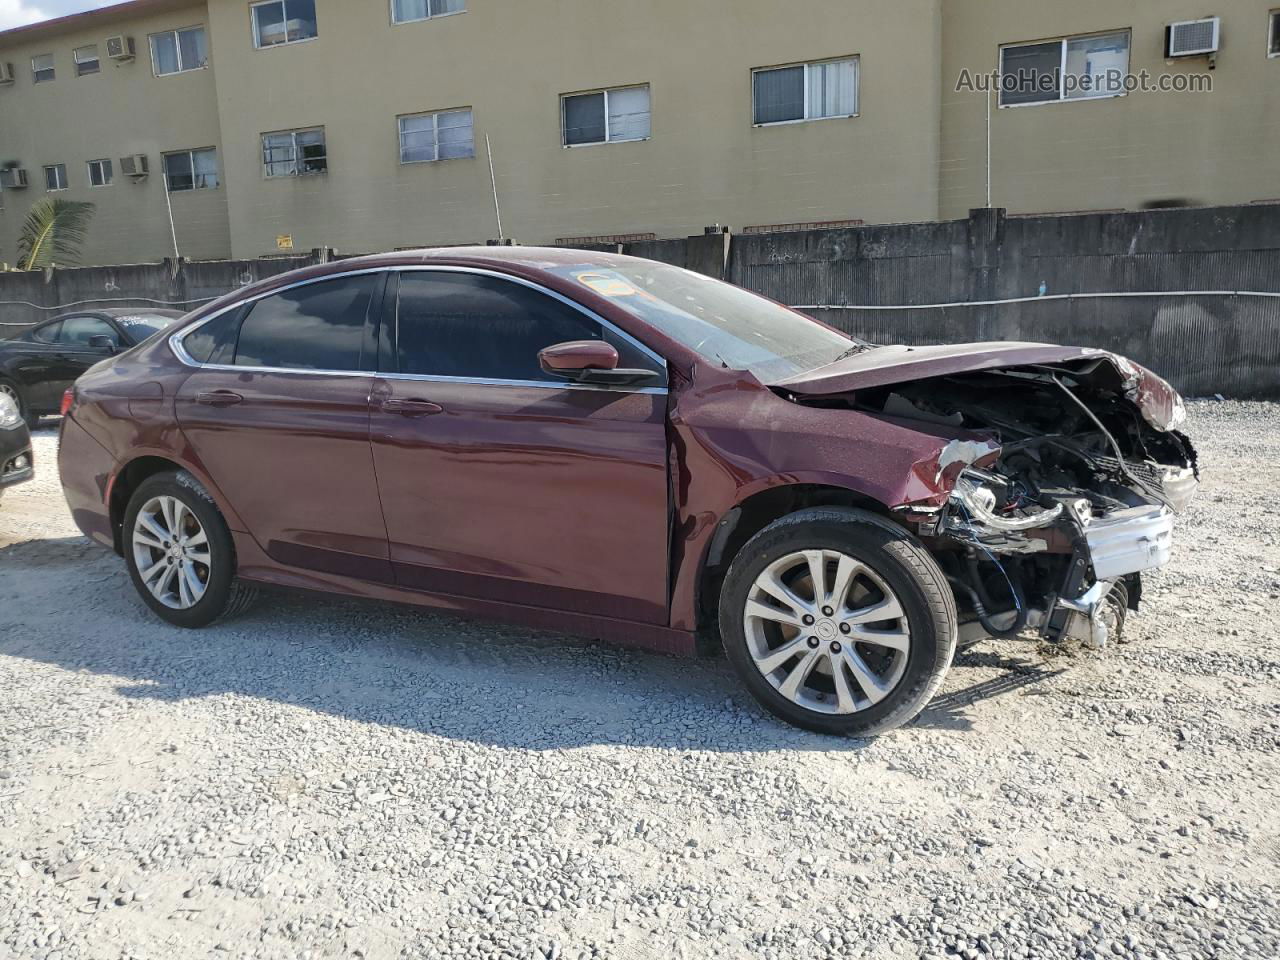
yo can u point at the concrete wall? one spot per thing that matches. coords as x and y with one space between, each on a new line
1119 153
28 297
510 62
1205 344
122 110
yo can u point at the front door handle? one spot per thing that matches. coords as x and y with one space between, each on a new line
219 398
412 408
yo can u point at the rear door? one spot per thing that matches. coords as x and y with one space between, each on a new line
501 483
278 414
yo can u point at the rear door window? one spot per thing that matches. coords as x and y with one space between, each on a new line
215 340
319 326
485 328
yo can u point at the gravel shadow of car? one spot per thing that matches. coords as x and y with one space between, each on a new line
950 711
69 603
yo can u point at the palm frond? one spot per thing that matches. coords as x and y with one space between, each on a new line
53 232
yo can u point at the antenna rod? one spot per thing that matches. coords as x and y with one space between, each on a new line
497 210
989 92
173 230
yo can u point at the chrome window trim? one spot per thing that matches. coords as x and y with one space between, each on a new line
176 340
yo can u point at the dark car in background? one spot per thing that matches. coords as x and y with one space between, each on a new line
38 365
626 450
16 464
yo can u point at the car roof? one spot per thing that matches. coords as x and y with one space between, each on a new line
536 258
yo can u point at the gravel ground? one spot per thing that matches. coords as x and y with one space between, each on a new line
329 778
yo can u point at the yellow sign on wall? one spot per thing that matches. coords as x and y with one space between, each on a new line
284 242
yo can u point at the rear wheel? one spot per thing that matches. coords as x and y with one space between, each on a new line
10 389
179 552
838 621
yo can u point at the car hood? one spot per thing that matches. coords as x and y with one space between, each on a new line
1159 403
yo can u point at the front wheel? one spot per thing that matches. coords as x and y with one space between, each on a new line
838 621
179 552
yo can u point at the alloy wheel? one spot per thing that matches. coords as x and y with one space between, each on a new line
171 552
827 632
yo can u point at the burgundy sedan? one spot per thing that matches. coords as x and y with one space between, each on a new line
622 449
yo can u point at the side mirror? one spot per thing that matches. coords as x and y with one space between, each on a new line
103 342
590 361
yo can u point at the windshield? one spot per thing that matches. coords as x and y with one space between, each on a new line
140 326
727 325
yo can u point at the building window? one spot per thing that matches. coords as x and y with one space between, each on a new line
177 51
294 153
42 68
1073 68
191 170
1274 48
805 91
426 137
606 116
86 59
55 176
283 21
407 11
100 173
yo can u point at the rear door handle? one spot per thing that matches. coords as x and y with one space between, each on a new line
412 408
219 398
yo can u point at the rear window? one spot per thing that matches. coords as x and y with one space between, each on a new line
140 326
319 326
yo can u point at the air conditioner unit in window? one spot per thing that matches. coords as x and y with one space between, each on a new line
6 73
134 166
120 48
1193 38
15 178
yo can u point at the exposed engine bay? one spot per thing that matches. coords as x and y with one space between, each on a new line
1052 525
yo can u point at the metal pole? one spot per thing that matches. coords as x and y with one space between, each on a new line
173 230
497 210
989 93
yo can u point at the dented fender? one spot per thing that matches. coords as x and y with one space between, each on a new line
731 437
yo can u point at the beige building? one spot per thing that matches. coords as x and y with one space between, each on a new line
370 124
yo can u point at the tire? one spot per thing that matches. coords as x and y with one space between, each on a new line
214 592
8 386
888 669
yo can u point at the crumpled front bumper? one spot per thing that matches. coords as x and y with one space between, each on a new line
1099 552
1130 541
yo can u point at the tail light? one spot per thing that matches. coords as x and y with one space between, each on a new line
68 401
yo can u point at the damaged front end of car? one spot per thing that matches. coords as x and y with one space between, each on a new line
1058 494
1053 533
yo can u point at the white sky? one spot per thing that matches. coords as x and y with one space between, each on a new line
15 13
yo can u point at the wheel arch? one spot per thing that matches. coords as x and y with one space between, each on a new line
127 479
752 514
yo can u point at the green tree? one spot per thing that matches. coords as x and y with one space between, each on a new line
53 232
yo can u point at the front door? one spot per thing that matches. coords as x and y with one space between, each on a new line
279 418
74 354
501 483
